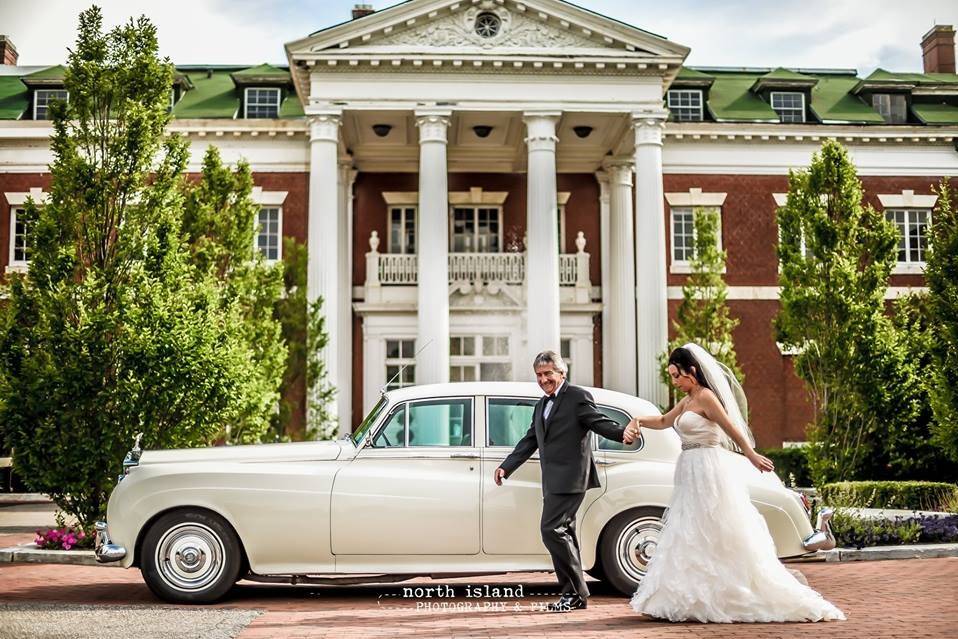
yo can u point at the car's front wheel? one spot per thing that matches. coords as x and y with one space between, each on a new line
190 556
627 544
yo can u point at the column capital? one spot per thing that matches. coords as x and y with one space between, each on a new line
648 123
324 126
619 170
541 129
433 124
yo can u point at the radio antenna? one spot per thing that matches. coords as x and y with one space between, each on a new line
382 391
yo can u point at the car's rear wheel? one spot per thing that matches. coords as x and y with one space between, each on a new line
627 544
191 556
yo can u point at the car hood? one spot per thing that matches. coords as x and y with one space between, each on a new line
293 451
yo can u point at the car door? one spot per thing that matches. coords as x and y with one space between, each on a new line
414 489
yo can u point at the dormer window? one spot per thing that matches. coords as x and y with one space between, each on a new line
42 98
262 102
685 105
893 107
789 105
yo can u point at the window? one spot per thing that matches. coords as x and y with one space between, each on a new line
402 229
685 105
42 99
262 103
487 24
621 419
483 358
561 229
439 422
683 232
19 230
789 106
270 233
565 351
475 229
400 363
912 227
891 106
508 420
172 99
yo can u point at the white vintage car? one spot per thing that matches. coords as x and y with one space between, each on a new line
410 493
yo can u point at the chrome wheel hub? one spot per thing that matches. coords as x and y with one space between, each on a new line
190 557
636 545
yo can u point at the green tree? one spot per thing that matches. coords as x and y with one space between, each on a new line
835 256
219 225
114 330
703 315
941 273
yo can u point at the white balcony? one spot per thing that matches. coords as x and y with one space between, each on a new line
402 269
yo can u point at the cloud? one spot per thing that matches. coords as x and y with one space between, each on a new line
818 33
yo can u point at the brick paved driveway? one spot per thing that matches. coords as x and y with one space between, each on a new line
916 598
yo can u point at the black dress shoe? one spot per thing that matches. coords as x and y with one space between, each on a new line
567 603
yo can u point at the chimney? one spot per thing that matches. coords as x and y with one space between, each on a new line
938 49
360 10
8 52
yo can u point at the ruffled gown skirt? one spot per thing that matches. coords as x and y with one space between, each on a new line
715 560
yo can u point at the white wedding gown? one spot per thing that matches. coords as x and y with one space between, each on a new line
715 559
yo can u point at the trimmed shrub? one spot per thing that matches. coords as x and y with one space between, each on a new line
789 463
904 495
856 532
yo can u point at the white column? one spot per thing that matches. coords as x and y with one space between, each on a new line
347 175
323 269
603 179
621 329
542 246
650 291
432 363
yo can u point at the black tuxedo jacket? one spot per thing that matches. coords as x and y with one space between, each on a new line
563 441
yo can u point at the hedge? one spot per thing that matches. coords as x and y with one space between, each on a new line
856 532
904 495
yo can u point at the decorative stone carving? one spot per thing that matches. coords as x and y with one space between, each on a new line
515 30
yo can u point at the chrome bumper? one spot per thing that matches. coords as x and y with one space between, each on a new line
105 550
822 538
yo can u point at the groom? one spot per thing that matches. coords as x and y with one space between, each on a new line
560 431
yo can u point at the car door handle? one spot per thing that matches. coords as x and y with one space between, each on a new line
602 462
464 455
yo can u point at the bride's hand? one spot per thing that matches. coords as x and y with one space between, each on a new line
764 464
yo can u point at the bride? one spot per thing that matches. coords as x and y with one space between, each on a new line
715 560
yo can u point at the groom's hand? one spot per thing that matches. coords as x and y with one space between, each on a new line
499 475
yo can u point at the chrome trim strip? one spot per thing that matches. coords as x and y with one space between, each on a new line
104 549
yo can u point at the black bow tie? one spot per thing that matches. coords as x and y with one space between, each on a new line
552 396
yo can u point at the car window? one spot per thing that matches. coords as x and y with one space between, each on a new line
621 419
393 432
442 422
508 419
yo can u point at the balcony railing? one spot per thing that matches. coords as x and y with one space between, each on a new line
402 269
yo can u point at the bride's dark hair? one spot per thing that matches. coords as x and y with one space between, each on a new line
684 361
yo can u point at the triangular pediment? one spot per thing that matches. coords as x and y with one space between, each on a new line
486 27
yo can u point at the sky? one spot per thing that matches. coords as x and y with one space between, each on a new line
858 34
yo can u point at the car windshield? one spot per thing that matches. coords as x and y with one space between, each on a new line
370 420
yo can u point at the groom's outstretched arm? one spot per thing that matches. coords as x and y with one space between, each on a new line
591 418
523 451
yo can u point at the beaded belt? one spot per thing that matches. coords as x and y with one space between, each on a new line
690 445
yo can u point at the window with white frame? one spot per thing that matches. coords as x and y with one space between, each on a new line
565 352
400 363
402 229
893 107
685 105
270 232
42 98
19 232
262 102
912 225
790 106
683 232
479 358
476 229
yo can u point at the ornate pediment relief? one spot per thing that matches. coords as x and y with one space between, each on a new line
488 25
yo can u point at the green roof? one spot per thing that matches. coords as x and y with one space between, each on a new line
14 97
936 113
216 95
731 100
832 101
263 71
50 73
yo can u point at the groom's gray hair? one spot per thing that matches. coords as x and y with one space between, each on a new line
550 357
